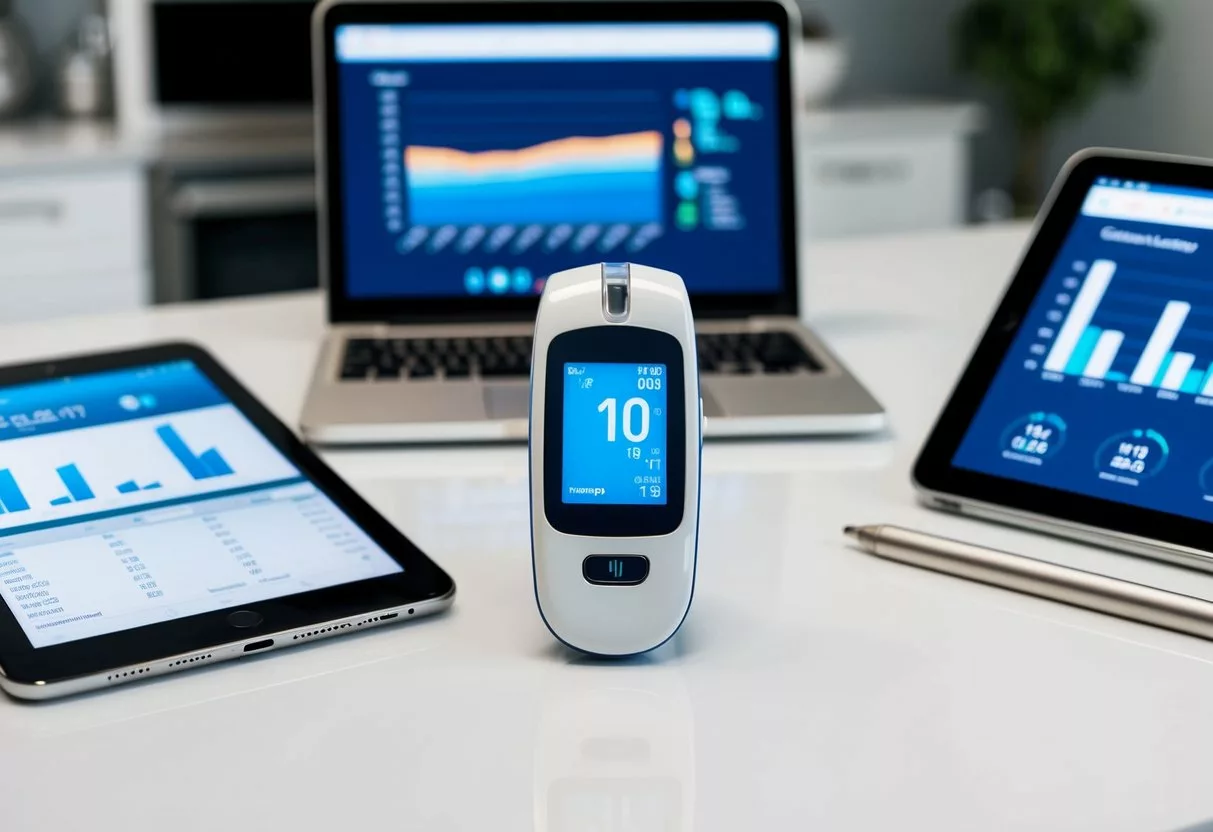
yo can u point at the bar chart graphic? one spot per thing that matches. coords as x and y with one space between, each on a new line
11 498
202 466
78 489
128 465
130 487
1124 325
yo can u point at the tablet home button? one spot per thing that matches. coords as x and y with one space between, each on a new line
244 619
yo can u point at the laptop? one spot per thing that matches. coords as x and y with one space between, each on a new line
469 149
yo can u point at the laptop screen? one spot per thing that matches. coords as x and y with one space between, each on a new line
476 159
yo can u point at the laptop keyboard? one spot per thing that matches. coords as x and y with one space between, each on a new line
426 358
724 353
744 353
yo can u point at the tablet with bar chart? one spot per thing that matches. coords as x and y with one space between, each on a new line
135 496
1106 389
155 517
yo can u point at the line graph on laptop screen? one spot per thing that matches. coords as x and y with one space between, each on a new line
543 168
480 159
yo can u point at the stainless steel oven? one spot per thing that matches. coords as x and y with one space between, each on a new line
226 101
226 224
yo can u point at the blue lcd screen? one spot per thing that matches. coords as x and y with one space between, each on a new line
614 434
1107 389
479 159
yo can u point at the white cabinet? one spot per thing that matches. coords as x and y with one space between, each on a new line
886 169
73 222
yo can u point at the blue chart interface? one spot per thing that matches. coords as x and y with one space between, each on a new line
137 496
614 434
1108 388
477 160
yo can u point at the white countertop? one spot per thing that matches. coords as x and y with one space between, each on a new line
54 145
881 120
812 687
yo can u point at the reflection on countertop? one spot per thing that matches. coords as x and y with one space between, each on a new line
615 750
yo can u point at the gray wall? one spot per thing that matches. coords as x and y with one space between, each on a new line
903 49
1171 110
898 47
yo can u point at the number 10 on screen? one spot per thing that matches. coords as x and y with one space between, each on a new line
614 433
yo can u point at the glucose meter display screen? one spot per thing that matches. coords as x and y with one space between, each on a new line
614 434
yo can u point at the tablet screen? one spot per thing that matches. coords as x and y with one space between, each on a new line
1107 389
137 496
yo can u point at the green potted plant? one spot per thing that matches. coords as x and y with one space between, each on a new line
1049 58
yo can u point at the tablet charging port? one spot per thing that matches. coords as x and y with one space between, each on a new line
258 645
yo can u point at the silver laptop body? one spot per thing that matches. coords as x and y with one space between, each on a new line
454 369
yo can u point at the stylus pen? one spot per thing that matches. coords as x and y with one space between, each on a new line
1075 587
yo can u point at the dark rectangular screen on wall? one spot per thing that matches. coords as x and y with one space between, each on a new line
223 53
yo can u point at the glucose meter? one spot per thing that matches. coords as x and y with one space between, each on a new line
615 440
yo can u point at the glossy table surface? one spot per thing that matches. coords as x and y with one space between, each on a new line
812 687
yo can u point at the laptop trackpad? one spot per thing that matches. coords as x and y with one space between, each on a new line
507 401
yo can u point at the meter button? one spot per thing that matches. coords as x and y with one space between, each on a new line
615 570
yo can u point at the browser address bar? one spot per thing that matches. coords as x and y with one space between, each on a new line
597 41
1146 206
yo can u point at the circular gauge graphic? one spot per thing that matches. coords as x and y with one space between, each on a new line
1206 481
1132 456
1033 438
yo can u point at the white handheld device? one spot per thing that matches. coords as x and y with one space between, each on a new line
616 435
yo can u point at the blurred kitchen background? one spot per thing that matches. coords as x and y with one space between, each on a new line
160 150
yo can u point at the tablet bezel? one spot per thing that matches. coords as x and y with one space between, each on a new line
934 472
422 580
